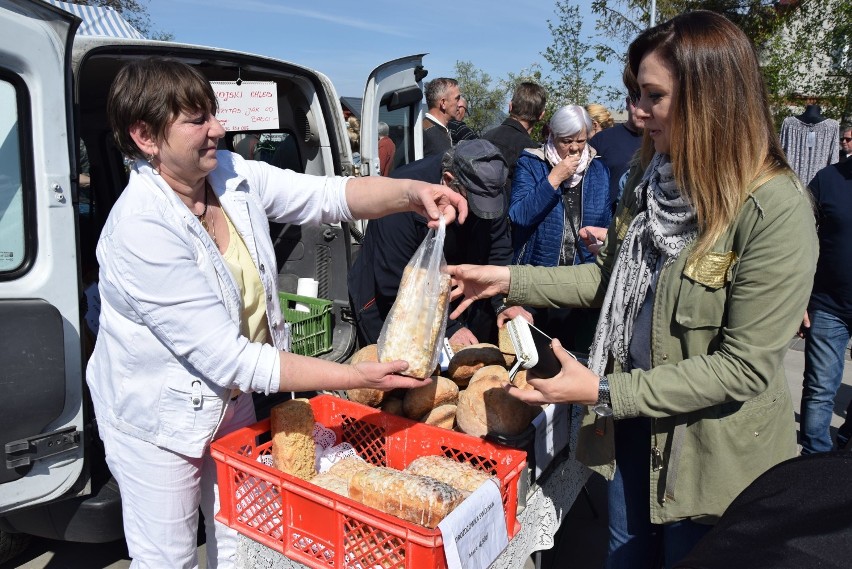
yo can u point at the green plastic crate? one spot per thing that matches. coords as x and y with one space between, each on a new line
310 332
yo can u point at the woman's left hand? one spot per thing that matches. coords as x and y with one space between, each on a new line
574 384
433 200
383 376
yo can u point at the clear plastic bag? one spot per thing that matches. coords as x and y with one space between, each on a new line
415 327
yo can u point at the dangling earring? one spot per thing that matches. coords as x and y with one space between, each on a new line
150 160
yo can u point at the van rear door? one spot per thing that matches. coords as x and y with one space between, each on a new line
393 95
41 411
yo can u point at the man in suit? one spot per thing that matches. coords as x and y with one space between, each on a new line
442 100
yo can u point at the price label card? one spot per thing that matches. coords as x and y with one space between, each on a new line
475 532
247 105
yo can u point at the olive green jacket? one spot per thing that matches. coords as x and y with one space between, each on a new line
721 326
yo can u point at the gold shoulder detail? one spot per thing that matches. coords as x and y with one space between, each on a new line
711 269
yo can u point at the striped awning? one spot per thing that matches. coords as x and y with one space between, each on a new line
98 21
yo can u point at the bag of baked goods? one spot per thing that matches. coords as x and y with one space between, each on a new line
415 326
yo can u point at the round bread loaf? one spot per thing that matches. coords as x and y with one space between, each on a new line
492 371
485 407
418 401
443 416
366 396
466 361
392 405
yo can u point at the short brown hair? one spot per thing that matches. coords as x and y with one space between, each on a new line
528 101
155 91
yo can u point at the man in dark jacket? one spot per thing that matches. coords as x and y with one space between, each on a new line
513 135
442 101
474 168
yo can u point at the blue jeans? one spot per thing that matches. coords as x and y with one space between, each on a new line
825 346
634 542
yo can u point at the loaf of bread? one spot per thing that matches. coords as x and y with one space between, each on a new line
507 348
417 499
460 475
418 401
486 408
392 405
469 359
293 448
338 476
412 333
443 416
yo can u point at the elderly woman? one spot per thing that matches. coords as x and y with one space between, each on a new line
190 319
703 280
557 190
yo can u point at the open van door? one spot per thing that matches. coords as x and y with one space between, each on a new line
394 95
41 411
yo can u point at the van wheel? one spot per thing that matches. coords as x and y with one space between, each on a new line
11 544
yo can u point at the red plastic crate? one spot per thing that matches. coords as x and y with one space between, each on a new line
322 529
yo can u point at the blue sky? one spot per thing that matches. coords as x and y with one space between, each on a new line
346 39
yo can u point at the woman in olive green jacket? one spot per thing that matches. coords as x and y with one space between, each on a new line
702 281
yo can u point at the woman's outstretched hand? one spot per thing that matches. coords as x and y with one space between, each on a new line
475 282
574 384
384 376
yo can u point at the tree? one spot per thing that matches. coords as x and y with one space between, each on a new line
485 104
805 45
133 12
575 78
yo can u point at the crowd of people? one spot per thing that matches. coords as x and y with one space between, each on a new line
682 284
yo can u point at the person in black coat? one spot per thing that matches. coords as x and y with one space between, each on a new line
512 136
476 169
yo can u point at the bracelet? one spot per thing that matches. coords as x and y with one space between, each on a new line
501 309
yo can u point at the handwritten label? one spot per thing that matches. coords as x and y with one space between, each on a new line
475 532
251 105
551 435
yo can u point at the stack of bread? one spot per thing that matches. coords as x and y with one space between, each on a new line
424 493
468 397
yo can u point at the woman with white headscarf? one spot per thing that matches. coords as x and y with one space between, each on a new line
558 189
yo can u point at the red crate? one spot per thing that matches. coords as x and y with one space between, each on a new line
322 529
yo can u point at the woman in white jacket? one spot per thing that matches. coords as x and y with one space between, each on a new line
190 318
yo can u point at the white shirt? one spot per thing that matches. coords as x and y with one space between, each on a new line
169 350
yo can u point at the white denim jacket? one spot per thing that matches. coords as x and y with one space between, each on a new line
169 350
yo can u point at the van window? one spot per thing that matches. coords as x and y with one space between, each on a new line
12 242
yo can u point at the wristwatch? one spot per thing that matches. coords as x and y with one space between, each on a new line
602 407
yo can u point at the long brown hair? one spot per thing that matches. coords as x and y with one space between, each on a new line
723 142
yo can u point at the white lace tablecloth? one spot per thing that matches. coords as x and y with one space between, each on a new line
548 501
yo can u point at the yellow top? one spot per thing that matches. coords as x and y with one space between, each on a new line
253 322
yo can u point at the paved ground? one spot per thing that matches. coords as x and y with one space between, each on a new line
581 542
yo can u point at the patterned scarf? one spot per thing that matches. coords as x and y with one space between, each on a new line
664 226
554 159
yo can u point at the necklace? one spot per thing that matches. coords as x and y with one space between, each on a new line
202 217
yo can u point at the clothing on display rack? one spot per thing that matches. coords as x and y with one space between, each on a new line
811 142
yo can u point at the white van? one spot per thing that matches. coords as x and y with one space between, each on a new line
53 204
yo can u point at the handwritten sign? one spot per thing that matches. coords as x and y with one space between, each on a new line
475 532
251 105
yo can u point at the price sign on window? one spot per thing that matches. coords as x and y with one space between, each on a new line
247 105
